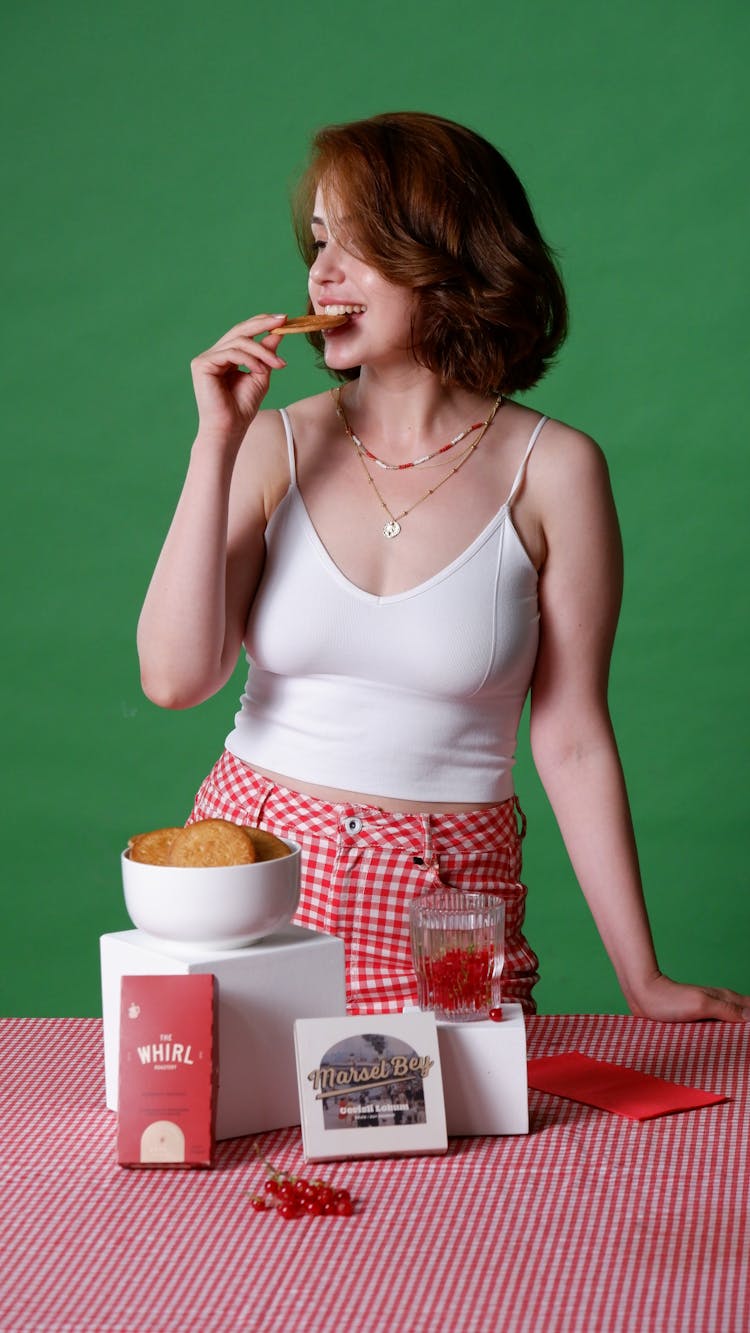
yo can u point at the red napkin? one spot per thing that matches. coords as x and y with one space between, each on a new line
613 1087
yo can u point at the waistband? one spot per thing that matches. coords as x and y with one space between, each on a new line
435 832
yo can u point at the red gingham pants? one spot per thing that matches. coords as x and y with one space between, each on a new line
361 867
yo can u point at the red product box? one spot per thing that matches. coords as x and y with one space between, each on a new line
168 1070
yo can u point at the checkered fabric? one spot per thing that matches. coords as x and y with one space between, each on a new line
361 867
590 1222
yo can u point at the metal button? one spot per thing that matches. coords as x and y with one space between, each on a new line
353 825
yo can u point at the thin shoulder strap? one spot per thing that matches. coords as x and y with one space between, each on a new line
289 444
519 475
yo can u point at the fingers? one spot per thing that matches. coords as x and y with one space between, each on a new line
256 325
231 379
726 1005
674 1002
240 353
248 333
242 348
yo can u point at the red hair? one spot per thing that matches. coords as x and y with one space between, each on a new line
440 210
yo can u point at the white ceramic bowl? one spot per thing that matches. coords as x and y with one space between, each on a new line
212 907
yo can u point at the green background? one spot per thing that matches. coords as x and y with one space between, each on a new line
151 154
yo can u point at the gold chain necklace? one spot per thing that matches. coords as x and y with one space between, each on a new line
393 526
414 462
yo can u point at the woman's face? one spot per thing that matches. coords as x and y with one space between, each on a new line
379 329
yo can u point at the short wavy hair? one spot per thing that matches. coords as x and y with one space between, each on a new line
440 210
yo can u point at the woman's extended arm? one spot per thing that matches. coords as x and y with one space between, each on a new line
193 619
572 739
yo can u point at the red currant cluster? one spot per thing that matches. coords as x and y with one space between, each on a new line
293 1196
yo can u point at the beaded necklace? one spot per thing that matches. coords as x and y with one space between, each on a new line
415 462
392 527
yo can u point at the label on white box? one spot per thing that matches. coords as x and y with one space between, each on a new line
370 1086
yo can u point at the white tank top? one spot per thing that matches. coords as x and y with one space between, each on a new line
414 696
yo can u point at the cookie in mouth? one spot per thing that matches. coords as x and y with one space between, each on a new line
311 323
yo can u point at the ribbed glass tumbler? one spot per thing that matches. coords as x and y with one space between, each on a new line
458 949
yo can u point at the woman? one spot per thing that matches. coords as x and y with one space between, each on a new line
403 558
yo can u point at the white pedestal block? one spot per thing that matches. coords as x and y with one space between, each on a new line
262 989
484 1075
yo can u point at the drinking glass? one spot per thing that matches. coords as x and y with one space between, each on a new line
458 950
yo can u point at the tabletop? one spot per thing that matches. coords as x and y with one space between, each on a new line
591 1221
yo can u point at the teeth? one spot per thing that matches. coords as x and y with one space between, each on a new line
344 309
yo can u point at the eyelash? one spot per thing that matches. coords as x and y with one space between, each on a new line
318 246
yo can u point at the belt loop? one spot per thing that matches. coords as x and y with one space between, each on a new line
522 831
429 860
428 853
265 785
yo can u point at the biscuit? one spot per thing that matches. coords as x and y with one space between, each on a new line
267 846
212 842
311 323
153 848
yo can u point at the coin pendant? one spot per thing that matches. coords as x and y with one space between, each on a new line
392 528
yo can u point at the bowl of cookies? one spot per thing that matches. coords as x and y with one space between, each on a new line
213 885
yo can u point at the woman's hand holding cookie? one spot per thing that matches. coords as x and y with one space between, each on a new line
231 378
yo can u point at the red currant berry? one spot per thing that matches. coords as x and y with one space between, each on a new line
258 1203
289 1211
313 1207
271 1187
343 1207
496 1014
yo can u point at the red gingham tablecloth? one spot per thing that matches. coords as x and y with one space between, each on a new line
590 1222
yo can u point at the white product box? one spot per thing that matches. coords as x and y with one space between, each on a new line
370 1085
484 1075
294 974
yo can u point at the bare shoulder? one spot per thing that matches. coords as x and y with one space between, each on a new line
565 485
567 476
262 467
266 434
310 415
564 456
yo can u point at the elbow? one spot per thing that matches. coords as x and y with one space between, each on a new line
566 744
552 735
172 678
166 693
175 690
555 745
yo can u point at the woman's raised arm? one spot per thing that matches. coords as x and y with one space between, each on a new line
193 619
